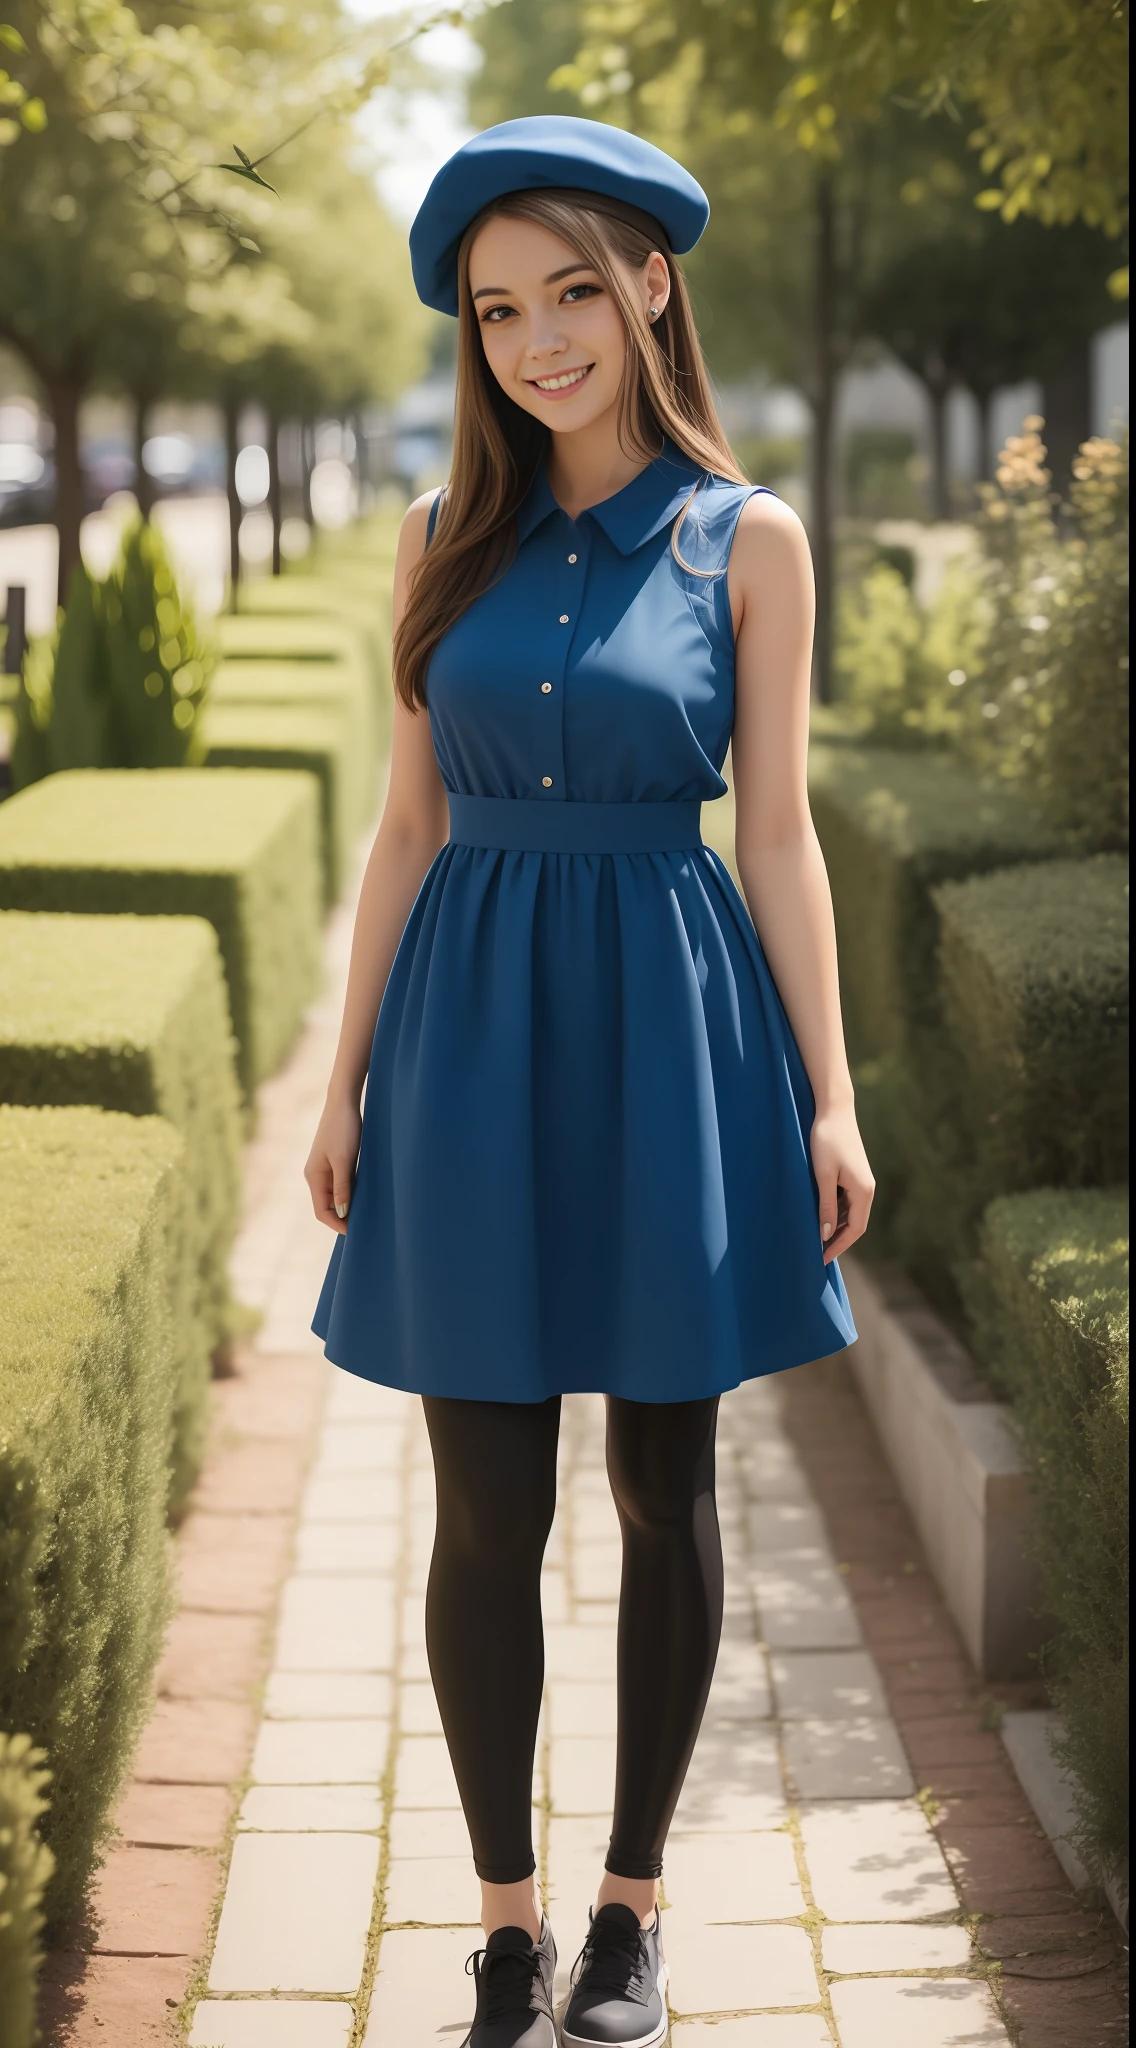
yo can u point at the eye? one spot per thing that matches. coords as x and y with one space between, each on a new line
576 293
495 315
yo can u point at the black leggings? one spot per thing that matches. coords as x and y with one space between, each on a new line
495 1469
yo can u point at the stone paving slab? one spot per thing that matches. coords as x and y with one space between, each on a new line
889 2012
274 2023
770 2030
718 1968
296 1809
296 1913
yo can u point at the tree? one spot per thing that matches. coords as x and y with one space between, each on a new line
1047 80
115 213
990 305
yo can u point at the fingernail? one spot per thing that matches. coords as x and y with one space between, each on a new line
826 1231
341 1209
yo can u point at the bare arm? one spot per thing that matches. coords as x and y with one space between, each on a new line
778 854
413 828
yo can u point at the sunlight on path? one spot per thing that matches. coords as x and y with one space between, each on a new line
808 1901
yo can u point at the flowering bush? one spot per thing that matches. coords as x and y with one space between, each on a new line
1050 702
1022 661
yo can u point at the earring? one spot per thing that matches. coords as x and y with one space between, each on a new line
654 312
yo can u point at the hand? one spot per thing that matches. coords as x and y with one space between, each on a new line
330 1170
844 1179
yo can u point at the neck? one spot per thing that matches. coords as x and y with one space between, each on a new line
590 465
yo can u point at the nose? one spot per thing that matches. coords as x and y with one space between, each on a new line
545 339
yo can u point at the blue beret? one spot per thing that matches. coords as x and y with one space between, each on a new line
541 152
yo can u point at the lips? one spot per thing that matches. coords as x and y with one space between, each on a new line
563 382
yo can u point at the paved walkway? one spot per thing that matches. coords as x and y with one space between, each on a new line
808 1900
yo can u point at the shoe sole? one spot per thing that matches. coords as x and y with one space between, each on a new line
654 2039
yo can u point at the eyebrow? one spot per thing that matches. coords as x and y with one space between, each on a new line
501 291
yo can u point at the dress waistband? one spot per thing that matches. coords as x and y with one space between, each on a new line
518 825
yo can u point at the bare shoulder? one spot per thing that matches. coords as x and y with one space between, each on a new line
768 532
412 532
411 545
771 570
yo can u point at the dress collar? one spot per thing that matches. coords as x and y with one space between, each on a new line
652 500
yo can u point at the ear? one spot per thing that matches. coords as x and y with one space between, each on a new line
656 283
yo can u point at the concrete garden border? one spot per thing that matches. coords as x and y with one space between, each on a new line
957 1465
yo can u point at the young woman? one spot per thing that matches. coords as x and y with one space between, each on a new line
609 1139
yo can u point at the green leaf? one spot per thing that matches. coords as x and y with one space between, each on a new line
245 169
11 39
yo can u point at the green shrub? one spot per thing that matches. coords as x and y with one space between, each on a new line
25 1866
881 473
342 599
294 637
122 683
238 848
92 1237
319 741
132 1014
1045 701
1034 972
893 824
307 685
897 666
1050 1303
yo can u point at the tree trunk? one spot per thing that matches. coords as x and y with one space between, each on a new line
143 481
307 464
275 494
232 421
987 452
940 481
824 414
362 462
64 395
1066 401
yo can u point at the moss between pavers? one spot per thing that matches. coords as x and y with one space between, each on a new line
94 1258
245 736
238 847
132 1014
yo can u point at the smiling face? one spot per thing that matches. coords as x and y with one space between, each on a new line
553 334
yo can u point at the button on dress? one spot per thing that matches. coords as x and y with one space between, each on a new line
585 1160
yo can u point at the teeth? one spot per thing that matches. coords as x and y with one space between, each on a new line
560 383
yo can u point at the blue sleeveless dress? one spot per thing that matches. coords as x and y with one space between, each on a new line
585 1153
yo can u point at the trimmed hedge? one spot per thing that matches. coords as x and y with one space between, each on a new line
238 848
300 737
344 598
1050 1305
131 1013
93 1250
302 637
1022 1080
307 685
1034 974
25 1866
893 824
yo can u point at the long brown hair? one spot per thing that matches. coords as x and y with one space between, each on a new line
498 446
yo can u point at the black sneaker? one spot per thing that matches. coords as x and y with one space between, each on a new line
619 1984
513 1975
